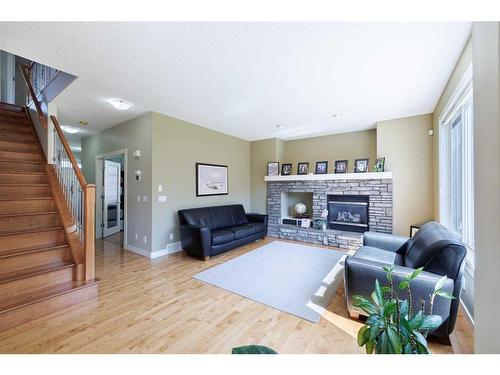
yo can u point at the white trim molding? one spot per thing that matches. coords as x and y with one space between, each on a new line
332 176
171 248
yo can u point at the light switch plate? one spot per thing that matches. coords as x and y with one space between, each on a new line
144 198
160 188
162 198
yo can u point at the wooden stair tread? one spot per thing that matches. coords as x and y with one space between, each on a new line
29 184
43 294
31 230
34 271
31 250
25 198
22 172
21 161
11 107
23 141
29 214
22 151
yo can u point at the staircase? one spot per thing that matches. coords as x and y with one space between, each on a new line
40 266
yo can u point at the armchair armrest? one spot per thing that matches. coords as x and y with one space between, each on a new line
257 218
196 240
360 275
388 242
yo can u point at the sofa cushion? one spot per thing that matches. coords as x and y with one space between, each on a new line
239 215
222 236
241 231
197 216
427 243
257 227
378 255
221 216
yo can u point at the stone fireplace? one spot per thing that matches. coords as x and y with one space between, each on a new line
356 202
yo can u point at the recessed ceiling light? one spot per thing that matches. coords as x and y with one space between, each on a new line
337 115
70 129
83 122
120 104
280 126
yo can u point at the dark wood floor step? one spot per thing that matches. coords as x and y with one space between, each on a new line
11 107
9 165
17 260
8 135
23 178
29 298
25 190
19 146
34 271
22 220
13 113
20 155
13 119
21 238
26 205
18 128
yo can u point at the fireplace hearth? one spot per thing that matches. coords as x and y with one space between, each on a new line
348 212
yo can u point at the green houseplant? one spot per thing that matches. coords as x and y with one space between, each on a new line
396 326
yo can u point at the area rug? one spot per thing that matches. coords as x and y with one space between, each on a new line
294 278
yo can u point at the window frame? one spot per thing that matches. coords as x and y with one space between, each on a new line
459 104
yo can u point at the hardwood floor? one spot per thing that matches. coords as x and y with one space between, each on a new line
154 306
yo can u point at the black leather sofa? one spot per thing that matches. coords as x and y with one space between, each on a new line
439 251
209 231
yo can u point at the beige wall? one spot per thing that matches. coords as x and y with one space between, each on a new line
407 148
177 146
134 134
262 152
486 64
463 63
350 146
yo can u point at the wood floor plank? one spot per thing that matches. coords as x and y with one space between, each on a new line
155 306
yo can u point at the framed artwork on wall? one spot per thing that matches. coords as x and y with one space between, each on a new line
361 165
341 166
211 179
286 169
303 168
321 167
273 168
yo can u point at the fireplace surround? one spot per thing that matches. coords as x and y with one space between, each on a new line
348 212
373 188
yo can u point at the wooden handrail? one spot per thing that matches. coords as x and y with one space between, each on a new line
41 116
71 157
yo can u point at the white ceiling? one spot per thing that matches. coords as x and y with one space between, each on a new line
245 78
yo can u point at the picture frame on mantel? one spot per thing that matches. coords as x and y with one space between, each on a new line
321 167
361 165
286 169
341 166
211 179
273 168
303 168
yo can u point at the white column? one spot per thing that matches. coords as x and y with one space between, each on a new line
486 67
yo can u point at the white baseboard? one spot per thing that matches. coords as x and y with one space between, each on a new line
170 249
467 314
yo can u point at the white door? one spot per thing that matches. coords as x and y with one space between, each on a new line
111 200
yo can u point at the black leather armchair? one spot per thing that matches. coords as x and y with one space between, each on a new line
209 231
436 249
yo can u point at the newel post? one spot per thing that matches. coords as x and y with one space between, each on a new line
89 231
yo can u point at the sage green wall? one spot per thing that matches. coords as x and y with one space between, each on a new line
407 147
133 135
350 146
177 146
262 152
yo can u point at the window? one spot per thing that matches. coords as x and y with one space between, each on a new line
456 164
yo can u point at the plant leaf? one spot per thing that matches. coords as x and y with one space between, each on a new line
403 308
394 342
416 273
417 321
445 294
431 322
440 283
361 336
404 284
390 308
407 349
365 304
419 338
253 349
369 347
377 295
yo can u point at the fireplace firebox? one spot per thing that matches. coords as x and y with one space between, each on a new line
348 212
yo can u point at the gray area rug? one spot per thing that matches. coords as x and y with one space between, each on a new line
294 278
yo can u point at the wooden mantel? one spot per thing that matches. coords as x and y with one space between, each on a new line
331 176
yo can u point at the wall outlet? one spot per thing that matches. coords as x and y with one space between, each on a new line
139 198
144 198
171 236
162 198
145 239
137 236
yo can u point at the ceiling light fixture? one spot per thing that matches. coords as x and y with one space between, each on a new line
120 104
337 115
70 129
280 126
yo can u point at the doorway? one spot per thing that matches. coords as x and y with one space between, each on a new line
111 194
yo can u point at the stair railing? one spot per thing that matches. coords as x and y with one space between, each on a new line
79 195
